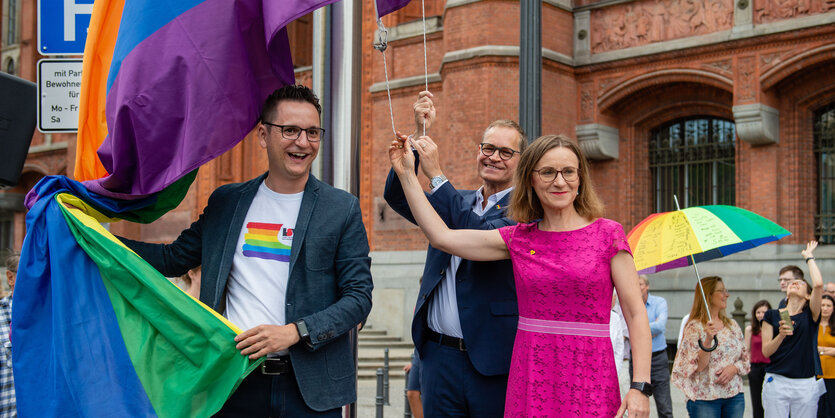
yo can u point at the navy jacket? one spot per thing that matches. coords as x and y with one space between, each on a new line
485 291
329 285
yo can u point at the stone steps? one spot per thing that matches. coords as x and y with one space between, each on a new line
372 344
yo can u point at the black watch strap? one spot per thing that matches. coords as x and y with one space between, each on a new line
642 387
304 334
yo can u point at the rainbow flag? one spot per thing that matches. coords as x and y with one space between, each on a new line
98 332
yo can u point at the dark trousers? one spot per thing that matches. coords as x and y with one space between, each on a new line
270 396
660 379
755 382
451 386
826 404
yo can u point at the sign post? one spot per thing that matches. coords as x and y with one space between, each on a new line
59 91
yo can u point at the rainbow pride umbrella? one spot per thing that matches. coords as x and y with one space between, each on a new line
679 238
685 237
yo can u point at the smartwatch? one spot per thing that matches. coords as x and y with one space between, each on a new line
437 181
642 387
304 334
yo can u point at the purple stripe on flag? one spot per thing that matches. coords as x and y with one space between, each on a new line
385 7
193 90
268 256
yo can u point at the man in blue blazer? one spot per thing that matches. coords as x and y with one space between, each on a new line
466 314
285 257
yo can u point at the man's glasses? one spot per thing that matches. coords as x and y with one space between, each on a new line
505 153
293 132
549 174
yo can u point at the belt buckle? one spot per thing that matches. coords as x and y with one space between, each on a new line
461 346
269 373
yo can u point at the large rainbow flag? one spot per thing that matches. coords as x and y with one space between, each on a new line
167 86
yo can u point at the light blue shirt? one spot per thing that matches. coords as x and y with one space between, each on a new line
443 308
657 313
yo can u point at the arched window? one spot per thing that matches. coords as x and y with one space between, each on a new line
11 23
10 66
693 159
824 138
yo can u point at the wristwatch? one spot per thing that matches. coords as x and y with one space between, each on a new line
437 181
304 334
642 387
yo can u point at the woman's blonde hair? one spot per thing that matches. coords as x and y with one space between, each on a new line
524 203
699 310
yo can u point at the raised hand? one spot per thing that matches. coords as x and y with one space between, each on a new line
430 160
424 112
400 155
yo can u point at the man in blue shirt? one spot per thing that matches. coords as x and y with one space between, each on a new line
660 371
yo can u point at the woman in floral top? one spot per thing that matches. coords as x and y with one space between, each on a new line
712 381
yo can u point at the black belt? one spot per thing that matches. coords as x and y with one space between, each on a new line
655 353
274 366
457 343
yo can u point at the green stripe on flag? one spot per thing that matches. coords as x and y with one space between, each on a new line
183 353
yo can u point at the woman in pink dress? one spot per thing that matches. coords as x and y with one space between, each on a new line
566 261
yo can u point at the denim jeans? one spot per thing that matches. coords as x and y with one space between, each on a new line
732 407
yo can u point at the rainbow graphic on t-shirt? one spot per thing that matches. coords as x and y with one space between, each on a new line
261 241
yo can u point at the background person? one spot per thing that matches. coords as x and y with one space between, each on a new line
657 312
413 386
790 386
754 343
562 264
8 400
712 381
826 349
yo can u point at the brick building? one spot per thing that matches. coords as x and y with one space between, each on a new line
716 101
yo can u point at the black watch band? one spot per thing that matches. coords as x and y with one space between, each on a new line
304 334
642 387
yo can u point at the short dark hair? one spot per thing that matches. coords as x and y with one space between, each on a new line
796 271
507 123
293 92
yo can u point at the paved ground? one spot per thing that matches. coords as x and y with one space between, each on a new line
366 407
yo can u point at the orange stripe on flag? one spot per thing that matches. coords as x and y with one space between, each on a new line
98 53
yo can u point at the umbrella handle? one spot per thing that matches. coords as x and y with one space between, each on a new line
715 344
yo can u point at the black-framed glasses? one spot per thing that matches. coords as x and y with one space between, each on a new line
293 132
549 174
505 153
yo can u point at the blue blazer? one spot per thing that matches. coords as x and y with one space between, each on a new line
329 285
485 291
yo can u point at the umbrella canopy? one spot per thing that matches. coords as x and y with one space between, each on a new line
675 239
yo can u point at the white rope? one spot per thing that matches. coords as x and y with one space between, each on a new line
425 60
381 46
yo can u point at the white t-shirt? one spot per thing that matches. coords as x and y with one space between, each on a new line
257 285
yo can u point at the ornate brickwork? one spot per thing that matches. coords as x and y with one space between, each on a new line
586 102
746 89
641 23
772 10
722 66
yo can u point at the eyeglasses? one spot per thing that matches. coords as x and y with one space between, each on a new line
505 153
293 132
549 174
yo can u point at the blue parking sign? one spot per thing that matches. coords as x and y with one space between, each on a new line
62 26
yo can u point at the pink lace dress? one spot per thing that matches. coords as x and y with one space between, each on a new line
563 364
